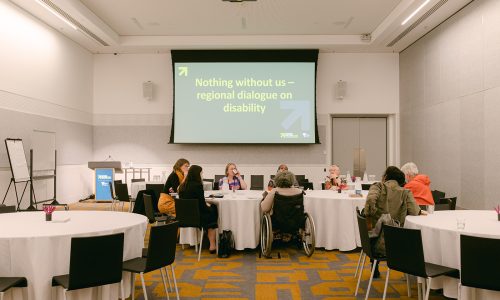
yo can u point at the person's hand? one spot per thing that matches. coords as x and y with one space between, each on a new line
423 213
171 190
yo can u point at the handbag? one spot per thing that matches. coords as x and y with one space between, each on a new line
166 204
226 244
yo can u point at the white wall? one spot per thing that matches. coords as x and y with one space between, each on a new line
131 128
450 89
45 84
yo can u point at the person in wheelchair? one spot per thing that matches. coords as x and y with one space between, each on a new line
283 209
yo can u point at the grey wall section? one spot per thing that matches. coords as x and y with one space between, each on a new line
450 103
73 140
149 145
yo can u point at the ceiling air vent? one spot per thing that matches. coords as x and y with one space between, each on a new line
417 22
75 22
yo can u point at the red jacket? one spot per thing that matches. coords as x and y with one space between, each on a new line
420 189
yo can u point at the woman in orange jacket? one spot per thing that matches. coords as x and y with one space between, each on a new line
418 184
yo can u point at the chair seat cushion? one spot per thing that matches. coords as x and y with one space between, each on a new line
135 265
62 280
8 282
433 270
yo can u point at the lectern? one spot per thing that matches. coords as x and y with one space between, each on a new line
104 172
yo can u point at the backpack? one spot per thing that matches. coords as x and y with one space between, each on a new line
226 244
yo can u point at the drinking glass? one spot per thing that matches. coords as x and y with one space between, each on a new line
460 223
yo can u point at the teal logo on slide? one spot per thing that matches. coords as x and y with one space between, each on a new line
300 110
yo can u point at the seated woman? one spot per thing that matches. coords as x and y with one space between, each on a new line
192 188
332 180
166 203
284 186
389 197
271 183
418 184
233 179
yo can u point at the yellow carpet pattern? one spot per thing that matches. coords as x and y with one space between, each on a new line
325 275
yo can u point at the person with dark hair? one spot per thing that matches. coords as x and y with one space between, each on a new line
233 179
166 204
192 188
389 197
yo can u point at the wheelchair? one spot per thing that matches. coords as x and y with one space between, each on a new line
288 218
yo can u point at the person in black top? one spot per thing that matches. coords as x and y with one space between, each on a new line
166 204
192 188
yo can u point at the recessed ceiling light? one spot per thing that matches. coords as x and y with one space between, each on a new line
415 12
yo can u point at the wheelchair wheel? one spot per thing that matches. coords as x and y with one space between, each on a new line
266 235
309 236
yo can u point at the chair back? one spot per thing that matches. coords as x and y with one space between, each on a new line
404 250
117 181
137 180
436 195
218 177
95 261
121 190
307 185
148 208
366 186
139 202
156 187
300 179
187 212
479 267
363 234
442 206
257 182
288 212
162 246
323 186
7 209
452 202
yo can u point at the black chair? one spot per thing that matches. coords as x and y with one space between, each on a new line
156 187
452 202
442 206
9 282
94 261
150 214
121 190
188 215
257 182
367 251
405 253
436 195
323 186
139 202
479 267
300 179
117 181
366 186
7 209
160 254
307 185
137 180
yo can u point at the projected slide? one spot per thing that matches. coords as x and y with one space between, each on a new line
244 102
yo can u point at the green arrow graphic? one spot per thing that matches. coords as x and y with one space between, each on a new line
183 71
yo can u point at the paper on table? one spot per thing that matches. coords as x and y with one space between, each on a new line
64 220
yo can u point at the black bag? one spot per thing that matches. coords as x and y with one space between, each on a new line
226 244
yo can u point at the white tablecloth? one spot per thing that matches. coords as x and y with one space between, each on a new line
38 250
441 240
334 216
239 213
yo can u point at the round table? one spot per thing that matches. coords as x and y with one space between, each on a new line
334 216
238 212
38 250
441 241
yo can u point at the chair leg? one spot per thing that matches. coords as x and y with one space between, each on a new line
428 288
201 244
359 261
144 286
164 282
168 279
371 279
64 295
122 290
408 287
1 296
132 286
360 274
386 283
175 281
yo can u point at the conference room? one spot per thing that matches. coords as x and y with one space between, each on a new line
249 149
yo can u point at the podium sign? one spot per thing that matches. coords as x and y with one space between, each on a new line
103 181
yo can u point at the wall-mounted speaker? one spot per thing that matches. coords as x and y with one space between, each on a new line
147 90
340 89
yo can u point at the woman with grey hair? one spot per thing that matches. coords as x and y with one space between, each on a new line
418 184
284 186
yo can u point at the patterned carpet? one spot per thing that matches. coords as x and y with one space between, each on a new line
326 275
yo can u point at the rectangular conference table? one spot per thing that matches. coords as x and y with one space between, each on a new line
38 250
333 214
441 241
